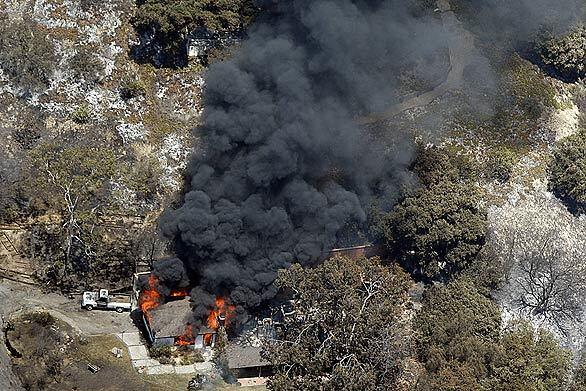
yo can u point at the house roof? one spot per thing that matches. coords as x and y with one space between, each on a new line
171 319
240 356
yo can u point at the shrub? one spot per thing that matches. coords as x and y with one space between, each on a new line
530 91
501 162
144 178
567 171
86 65
434 165
27 55
132 89
42 318
163 354
82 114
566 54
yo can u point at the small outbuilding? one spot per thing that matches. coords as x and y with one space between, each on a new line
246 361
199 42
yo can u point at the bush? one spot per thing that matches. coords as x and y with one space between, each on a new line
501 162
44 319
132 89
530 91
82 114
566 54
435 165
567 171
86 65
27 55
162 354
144 178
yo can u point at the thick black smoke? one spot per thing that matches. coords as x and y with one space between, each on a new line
284 167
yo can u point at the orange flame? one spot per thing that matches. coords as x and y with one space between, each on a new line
221 312
150 298
186 338
179 293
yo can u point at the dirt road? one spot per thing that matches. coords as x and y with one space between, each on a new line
15 297
461 46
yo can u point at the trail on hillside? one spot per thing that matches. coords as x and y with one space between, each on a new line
460 45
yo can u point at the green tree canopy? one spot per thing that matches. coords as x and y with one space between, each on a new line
529 360
349 330
437 230
566 54
171 20
567 171
457 330
462 347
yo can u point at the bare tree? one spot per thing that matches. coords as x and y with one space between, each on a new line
543 250
74 182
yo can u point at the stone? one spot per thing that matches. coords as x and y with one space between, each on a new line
181 369
160 370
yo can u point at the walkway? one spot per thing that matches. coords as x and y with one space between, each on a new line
143 363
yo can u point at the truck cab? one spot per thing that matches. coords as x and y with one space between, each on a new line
103 300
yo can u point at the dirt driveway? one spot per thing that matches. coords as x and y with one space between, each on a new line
16 297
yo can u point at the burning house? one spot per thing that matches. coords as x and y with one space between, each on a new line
168 318
169 324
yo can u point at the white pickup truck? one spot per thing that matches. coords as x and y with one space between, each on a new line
104 301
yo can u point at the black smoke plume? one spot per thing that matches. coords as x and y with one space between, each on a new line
283 167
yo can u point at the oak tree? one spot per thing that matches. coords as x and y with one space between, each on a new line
349 328
457 328
567 171
438 230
